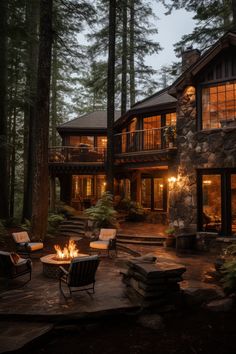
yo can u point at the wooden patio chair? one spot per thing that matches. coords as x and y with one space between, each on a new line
13 266
81 274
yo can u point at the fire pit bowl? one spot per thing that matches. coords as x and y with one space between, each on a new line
51 264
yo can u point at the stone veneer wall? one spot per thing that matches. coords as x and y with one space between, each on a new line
214 148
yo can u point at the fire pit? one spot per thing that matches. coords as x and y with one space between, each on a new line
62 257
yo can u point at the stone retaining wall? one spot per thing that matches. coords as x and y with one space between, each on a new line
155 283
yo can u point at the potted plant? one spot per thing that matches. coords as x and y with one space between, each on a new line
170 135
170 237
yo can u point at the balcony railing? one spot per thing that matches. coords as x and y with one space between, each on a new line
64 154
144 140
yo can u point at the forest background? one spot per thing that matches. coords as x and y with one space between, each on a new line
46 75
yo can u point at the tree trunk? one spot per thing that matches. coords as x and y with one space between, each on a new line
32 21
40 180
234 15
13 162
111 94
124 59
4 205
131 55
54 95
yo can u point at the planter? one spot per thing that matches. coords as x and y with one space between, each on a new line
170 241
186 242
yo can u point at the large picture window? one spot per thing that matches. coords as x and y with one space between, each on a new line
218 105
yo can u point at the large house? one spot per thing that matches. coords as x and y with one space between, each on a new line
175 152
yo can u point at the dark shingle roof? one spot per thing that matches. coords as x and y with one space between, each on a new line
158 101
94 120
158 98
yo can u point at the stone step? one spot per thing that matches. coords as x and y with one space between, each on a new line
73 222
75 226
141 242
68 231
141 239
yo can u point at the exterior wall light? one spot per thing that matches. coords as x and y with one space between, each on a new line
172 179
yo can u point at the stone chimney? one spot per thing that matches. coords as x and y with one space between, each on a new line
189 57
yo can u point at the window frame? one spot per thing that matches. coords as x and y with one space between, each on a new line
199 92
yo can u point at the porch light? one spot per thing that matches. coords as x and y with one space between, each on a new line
172 179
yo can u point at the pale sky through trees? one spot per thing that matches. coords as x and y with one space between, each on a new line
170 30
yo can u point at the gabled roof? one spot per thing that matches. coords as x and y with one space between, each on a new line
158 101
224 42
158 98
90 121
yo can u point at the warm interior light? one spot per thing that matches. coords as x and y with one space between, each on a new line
161 185
172 179
207 182
67 252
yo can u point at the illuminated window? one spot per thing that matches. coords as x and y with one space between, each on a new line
123 140
125 188
152 132
77 140
218 105
102 142
171 118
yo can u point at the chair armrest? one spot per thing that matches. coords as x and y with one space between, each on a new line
23 261
112 243
63 271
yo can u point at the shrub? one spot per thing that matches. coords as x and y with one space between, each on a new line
136 212
103 213
3 230
228 271
66 210
54 221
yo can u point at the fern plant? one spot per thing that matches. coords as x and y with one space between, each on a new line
103 213
228 270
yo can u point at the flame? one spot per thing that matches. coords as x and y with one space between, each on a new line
67 252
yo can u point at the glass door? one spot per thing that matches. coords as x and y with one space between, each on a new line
217 201
211 202
146 193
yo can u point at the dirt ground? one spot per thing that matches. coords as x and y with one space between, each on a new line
195 332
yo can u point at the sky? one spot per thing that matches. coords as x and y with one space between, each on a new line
170 30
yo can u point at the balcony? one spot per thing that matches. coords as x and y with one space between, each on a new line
76 155
149 145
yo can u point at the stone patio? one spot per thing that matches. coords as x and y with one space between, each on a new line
41 301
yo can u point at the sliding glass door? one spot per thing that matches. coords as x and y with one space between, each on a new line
217 200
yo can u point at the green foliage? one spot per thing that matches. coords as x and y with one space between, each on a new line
213 19
229 276
10 222
170 231
66 210
143 30
103 213
3 230
169 133
54 221
230 251
26 225
135 211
